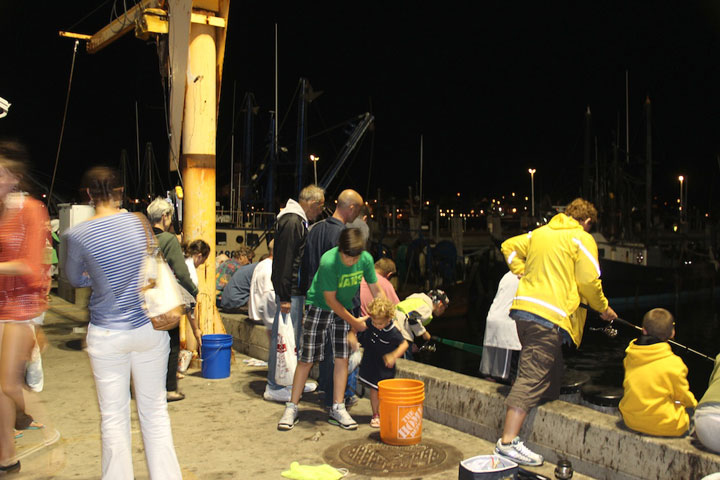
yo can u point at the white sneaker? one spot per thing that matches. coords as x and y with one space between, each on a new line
289 417
310 387
281 395
340 417
518 453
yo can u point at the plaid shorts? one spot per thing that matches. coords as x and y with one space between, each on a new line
317 325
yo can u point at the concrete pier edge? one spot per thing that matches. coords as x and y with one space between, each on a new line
596 443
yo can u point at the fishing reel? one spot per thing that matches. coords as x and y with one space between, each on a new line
608 330
428 347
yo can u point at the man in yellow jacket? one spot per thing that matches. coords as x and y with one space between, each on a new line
657 392
558 265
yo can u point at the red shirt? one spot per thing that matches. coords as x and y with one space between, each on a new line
24 233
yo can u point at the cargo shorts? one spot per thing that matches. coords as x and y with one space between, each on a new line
540 368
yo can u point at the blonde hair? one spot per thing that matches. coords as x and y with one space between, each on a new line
385 266
659 323
381 308
580 209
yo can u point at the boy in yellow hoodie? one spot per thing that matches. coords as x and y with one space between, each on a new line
656 387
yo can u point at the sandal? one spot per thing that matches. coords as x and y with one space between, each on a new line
179 376
175 396
34 426
375 422
12 468
17 433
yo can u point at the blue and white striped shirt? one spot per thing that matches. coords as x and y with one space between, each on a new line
108 255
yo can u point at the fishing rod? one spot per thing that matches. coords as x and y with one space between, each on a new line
612 333
686 348
467 347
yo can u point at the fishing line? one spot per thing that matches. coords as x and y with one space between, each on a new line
608 330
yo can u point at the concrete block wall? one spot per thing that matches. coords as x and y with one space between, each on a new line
596 443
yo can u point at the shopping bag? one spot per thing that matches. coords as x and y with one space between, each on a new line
286 351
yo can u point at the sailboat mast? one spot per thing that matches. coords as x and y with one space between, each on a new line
648 169
233 219
421 178
627 119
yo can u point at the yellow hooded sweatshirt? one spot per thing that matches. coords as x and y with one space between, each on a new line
559 265
655 379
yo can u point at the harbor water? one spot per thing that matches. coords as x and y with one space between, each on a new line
599 356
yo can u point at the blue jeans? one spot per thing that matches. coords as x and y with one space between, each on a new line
297 308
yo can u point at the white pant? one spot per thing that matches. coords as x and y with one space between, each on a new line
114 355
707 426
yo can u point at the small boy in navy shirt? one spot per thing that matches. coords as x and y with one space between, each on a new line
383 344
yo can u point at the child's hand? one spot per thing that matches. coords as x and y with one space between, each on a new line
389 360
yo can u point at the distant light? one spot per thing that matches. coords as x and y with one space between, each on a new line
458 194
427 202
674 228
514 210
681 178
513 194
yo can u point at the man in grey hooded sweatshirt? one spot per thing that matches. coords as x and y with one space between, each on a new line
291 230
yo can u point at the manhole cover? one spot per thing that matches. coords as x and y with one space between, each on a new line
370 456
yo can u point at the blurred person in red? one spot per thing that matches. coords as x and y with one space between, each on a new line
23 287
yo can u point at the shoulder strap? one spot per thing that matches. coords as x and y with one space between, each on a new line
147 228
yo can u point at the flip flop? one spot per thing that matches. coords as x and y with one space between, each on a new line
34 426
18 433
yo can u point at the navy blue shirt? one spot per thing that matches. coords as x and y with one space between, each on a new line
237 292
321 237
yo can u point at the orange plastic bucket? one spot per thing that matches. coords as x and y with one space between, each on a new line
401 410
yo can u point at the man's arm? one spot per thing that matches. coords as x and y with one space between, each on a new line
587 276
515 252
342 312
376 290
286 243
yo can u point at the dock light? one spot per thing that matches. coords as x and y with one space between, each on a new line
458 194
532 171
179 192
682 200
314 159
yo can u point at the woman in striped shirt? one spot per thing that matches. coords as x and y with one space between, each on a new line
107 253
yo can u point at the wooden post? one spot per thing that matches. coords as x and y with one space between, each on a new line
198 158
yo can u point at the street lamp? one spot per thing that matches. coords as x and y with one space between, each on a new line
314 159
532 191
681 178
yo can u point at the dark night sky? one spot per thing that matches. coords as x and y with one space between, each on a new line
495 87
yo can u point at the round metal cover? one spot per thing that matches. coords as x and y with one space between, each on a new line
369 456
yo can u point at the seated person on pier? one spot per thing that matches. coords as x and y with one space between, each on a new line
234 297
415 312
656 387
707 413
225 270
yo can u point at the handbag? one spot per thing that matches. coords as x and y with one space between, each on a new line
286 351
161 291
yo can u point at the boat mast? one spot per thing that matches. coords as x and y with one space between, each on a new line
648 169
235 221
627 120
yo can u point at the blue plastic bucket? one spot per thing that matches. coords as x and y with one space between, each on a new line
216 355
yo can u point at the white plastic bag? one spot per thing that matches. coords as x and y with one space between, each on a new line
286 351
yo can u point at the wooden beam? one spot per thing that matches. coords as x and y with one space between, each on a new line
79 36
119 27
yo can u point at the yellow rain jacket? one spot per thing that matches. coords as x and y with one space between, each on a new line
656 390
559 265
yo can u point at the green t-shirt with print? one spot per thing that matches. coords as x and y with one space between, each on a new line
334 276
